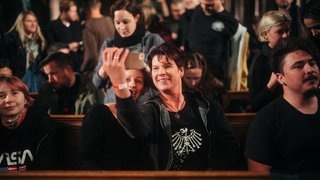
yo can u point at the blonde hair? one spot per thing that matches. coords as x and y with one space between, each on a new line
271 19
149 12
19 27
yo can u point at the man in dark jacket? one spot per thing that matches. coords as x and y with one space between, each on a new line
66 92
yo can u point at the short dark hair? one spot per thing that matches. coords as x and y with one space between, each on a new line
63 60
91 3
167 50
56 46
288 45
4 62
311 9
65 5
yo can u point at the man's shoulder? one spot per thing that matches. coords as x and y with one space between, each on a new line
275 107
152 36
85 82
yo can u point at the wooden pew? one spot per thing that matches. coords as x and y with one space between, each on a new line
79 175
34 95
234 95
69 139
240 123
70 134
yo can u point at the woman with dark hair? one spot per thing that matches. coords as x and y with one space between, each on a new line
197 77
27 137
130 34
182 131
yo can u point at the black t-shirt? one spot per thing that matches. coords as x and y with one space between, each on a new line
209 35
284 138
67 98
190 141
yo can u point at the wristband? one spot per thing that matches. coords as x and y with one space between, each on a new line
120 86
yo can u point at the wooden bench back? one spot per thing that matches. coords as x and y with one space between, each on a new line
240 123
70 134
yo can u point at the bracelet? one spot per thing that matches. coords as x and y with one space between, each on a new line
120 86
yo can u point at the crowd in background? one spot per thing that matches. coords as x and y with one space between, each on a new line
76 62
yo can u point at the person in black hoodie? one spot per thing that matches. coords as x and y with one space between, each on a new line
27 137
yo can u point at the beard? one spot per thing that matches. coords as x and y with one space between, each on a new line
311 92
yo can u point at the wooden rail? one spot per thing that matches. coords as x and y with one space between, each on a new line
69 132
79 175
233 95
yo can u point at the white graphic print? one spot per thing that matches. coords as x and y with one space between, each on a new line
217 26
185 142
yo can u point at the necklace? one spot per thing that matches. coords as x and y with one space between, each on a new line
176 113
11 123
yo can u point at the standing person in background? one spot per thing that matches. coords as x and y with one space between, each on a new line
311 20
283 136
217 27
293 11
24 47
177 8
182 131
67 29
130 34
184 23
27 136
263 84
104 143
97 29
66 92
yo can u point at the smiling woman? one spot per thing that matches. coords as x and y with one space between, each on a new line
176 128
26 136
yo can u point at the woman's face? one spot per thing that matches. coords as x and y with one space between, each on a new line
166 75
135 82
72 14
276 33
30 24
192 78
12 102
125 23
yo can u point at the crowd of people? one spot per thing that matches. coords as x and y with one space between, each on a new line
167 112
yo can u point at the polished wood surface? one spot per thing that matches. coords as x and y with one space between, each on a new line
61 175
